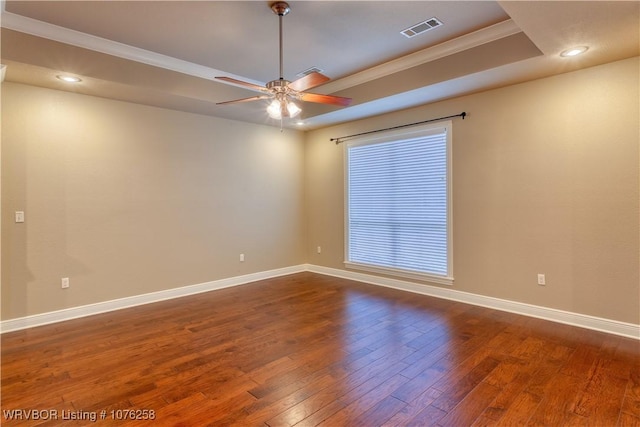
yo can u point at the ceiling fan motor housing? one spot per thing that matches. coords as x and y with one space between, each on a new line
280 85
280 8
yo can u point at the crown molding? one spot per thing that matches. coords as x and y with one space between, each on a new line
68 36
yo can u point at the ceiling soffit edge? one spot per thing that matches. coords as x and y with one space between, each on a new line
485 35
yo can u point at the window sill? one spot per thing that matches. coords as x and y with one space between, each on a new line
441 280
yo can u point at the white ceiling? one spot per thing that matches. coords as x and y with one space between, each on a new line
167 53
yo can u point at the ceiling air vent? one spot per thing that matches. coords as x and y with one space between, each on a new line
309 71
427 25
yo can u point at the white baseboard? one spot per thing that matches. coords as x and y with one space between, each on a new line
103 307
629 330
581 320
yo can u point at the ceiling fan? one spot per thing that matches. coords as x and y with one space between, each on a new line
284 92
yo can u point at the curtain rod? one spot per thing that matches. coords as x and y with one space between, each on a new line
340 139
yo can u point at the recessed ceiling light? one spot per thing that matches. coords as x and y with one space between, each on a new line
69 79
574 51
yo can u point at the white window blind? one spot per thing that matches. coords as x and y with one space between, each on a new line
398 187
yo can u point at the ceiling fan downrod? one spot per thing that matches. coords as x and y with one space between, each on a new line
281 9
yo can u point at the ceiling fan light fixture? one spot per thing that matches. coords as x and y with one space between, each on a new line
279 108
274 109
293 109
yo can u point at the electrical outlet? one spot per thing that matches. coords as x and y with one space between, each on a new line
65 282
241 257
319 249
19 216
541 280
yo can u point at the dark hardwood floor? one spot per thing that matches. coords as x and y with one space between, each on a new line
312 350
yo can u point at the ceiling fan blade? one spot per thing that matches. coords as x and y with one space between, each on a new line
325 99
241 83
309 81
253 98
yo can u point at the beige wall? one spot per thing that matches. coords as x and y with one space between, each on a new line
545 180
126 199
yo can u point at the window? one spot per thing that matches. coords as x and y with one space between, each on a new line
398 187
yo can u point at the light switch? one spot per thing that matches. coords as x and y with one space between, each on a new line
19 216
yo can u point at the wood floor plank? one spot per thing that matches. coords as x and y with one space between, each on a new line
418 385
380 412
472 406
263 409
429 416
603 392
627 420
519 411
359 403
557 408
309 350
631 403
412 409
453 394
524 372
305 408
